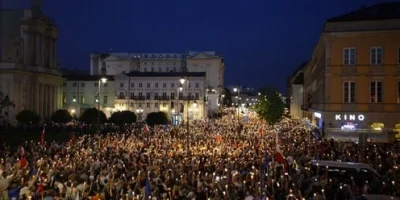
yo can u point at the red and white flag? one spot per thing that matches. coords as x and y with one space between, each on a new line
42 135
279 154
146 129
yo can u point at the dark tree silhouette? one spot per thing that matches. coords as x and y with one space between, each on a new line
61 116
27 117
90 116
155 118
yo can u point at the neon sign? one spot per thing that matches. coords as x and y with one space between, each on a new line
350 117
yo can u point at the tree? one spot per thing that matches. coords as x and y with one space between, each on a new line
27 117
5 103
90 116
227 100
124 117
61 116
154 118
271 106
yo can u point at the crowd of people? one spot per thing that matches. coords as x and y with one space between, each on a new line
217 159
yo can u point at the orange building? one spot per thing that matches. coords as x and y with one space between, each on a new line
353 78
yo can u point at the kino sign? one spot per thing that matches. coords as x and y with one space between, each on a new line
350 117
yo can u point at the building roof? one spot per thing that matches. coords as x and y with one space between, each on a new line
166 74
379 11
87 78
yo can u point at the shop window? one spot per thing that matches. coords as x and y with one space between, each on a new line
377 126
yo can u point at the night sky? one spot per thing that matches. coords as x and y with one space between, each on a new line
262 41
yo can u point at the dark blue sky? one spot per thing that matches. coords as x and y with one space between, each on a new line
261 40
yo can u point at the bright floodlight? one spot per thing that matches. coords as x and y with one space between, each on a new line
235 89
195 104
103 80
72 111
180 88
182 80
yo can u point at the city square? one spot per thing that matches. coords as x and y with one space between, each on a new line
189 124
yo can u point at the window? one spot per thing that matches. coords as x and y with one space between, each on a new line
159 69
148 85
148 95
83 99
167 69
64 99
164 105
140 85
398 91
155 95
140 94
164 95
152 69
105 84
121 95
155 105
148 105
349 92
164 85
197 85
82 84
376 55
105 100
376 91
180 95
197 96
96 84
140 105
74 84
172 96
132 84
121 85
349 56
156 85
174 69
172 85
132 95
398 55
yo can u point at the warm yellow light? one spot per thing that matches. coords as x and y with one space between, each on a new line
195 104
103 80
72 111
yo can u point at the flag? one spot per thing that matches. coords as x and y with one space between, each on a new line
146 129
279 154
148 188
42 135
260 132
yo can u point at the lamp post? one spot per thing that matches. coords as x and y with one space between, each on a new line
139 111
238 102
182 81
101 80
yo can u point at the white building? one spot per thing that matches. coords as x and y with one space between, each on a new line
162 91
82 92
29 71
191 61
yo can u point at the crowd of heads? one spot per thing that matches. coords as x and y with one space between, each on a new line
217 159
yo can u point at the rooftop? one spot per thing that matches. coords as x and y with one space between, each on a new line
166 74
87 78
381 11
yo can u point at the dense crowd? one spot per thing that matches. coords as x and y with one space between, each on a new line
226 160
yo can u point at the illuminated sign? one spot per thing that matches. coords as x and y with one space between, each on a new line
317 115
350 117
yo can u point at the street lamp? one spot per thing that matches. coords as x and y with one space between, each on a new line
238 102
101 80
139 111
182 81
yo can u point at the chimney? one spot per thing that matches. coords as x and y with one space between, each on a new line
36 8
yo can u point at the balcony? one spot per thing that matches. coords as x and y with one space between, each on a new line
139 98
189 98
120 97
161 98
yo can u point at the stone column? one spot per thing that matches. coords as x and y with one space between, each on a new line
36 98
40 98
49 100
55 54
50 54
37 50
